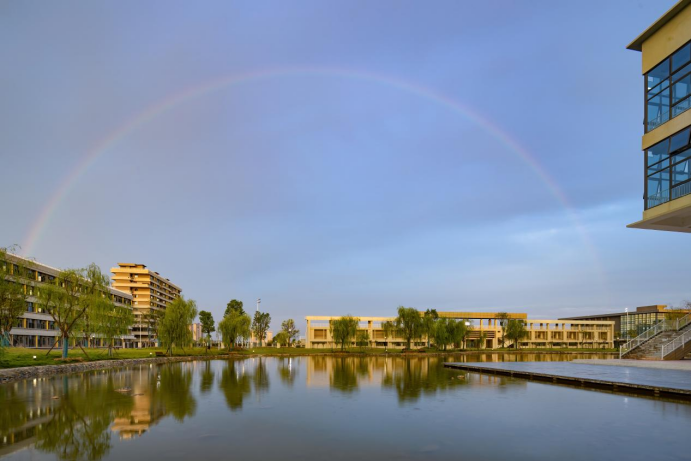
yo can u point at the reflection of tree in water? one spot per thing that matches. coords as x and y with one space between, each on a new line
173 391
345 372
207 379
287 370
260 378
412 377
235 384
81 417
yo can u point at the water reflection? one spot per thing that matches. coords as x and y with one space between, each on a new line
94 416
235 384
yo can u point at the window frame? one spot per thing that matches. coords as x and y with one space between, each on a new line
658 89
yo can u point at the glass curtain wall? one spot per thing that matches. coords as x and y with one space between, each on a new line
668 88
668 169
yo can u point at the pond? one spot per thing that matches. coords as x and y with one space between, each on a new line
330 407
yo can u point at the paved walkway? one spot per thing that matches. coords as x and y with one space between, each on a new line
659 365
635 376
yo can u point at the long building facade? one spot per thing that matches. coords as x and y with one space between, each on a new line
35 328
666 66
151 293
486 332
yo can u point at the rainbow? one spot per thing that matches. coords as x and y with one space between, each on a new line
155 110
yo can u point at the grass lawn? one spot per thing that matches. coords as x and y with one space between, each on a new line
22 357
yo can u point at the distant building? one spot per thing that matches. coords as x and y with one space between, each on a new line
631 324
151 293
197 334
666 65
36 328
541 333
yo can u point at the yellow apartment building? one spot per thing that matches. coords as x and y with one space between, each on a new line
151 293
666 66
592 334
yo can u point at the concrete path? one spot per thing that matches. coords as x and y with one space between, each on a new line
660 365
670 381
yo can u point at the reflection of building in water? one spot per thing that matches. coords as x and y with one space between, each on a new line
486 330
22 419
145 411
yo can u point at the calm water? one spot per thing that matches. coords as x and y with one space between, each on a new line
316 408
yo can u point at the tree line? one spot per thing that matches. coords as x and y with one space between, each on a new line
237 327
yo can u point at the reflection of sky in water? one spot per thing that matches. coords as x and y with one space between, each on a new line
328 407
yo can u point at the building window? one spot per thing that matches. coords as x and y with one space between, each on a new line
669 156
668 86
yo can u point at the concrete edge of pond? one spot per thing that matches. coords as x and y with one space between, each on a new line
613 386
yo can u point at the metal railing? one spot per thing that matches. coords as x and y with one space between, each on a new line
681 190
659 327
657 199
682 322
675 344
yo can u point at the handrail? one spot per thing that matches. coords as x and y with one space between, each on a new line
682 322
675 344
659 327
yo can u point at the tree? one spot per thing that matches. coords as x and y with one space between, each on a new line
458 332
343 329
74 294
288 326
233 326
260 325
442 332
515 331
12 297
282 338
234 305
174 328
362 338
389 329
409 324
152 319
503 320
481 340
111 322
428 321
207 321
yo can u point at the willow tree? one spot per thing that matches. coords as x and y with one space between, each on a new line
233 326
174 327
515 331
389 329
111 322
409 324
428 320
343 329
12 297
75 294
442 332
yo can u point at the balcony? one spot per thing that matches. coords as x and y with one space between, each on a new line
665 196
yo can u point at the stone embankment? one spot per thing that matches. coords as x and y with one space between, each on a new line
9 375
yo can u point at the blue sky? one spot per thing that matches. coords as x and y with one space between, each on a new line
323 192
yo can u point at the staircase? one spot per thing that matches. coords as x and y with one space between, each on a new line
668 340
